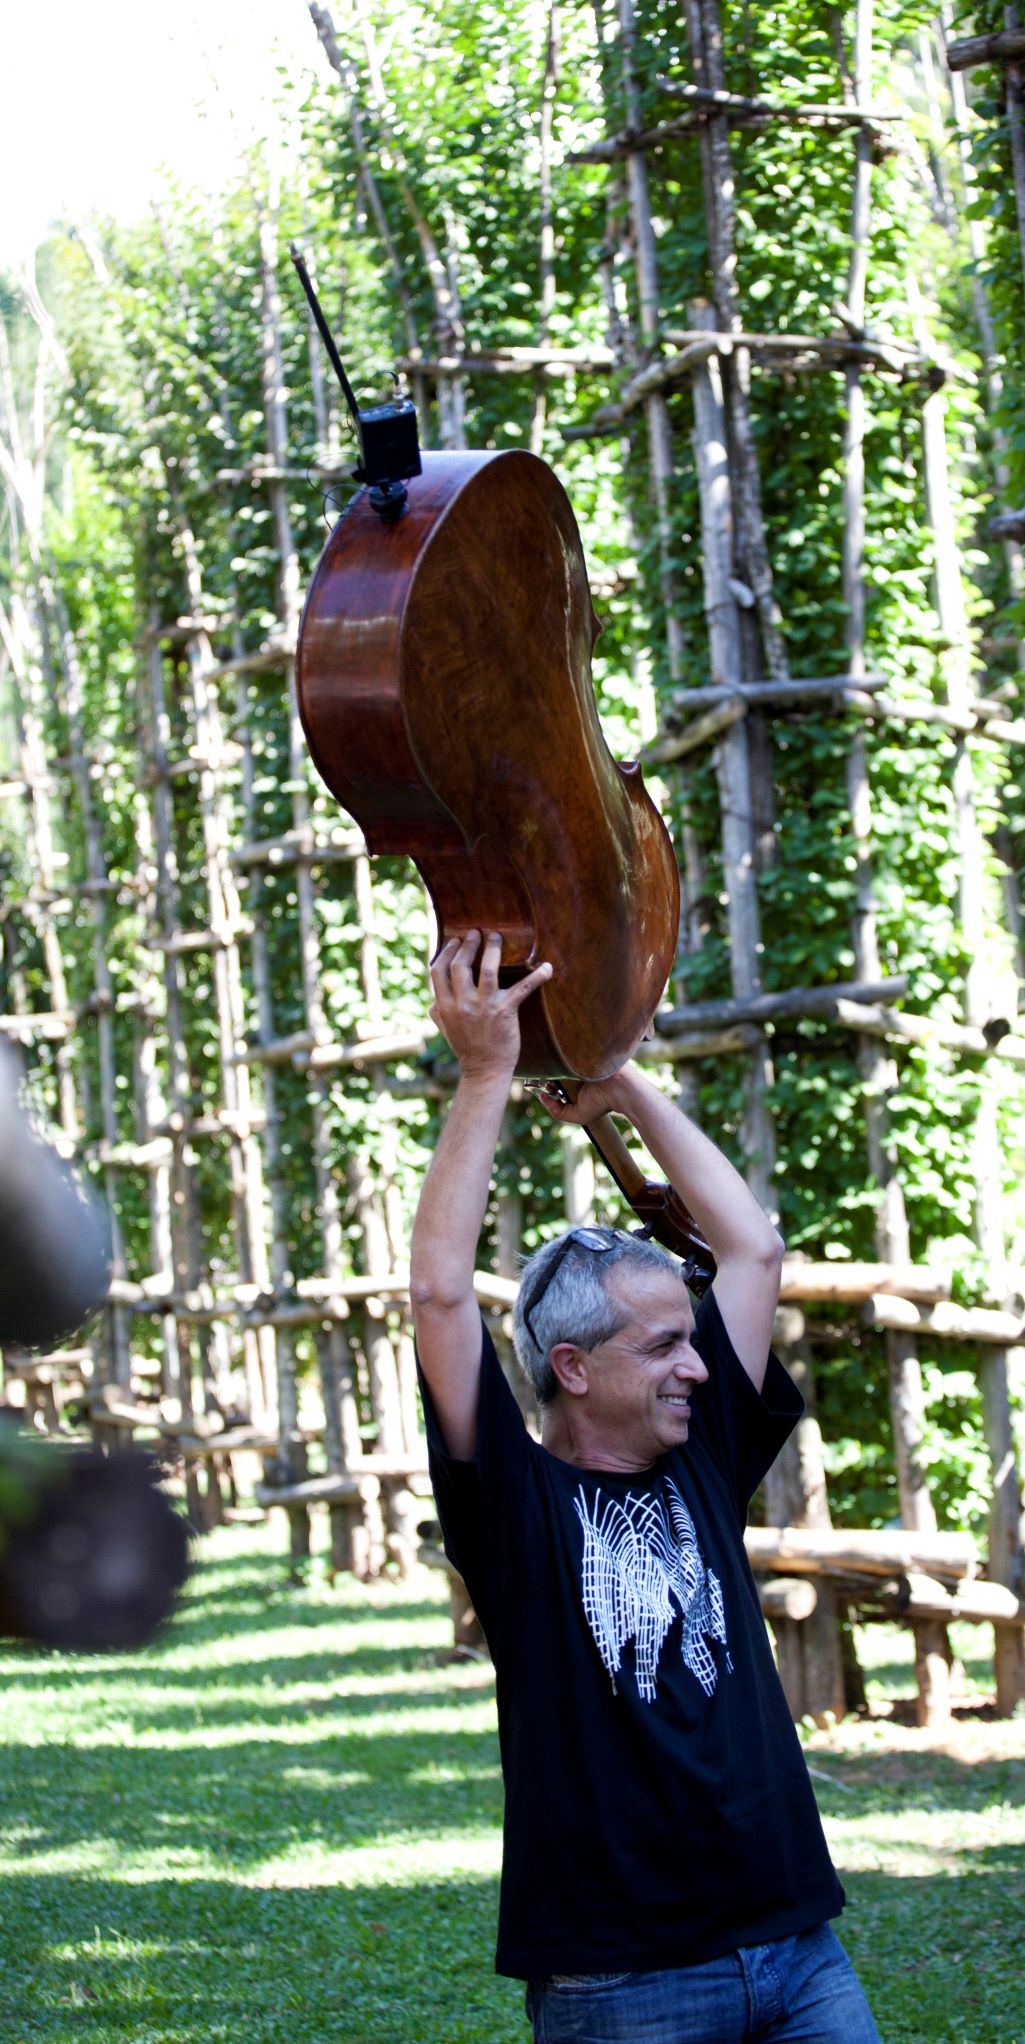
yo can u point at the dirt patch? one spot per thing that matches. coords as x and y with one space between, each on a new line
975 1736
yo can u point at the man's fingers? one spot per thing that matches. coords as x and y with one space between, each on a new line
465 953
516 995
439 970
456 954
452 974
553 1101
445 954
491 959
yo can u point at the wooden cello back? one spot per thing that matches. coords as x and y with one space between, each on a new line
444 680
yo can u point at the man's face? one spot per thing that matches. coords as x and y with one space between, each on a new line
640 1380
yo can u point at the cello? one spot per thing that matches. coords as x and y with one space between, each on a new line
444 686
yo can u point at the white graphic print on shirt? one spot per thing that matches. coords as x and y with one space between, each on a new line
637 1561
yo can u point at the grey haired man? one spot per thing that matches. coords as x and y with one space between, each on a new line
665 1876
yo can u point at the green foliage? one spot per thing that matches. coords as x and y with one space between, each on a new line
167 392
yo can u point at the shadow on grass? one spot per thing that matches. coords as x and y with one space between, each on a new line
189 1962
882 1782
203 1619
240 1805
239 1762
345 1785
329 1667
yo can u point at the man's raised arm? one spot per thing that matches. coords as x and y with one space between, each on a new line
481 1023
747 1249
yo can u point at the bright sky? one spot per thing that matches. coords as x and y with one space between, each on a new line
97 94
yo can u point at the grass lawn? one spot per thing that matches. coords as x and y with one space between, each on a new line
281 1825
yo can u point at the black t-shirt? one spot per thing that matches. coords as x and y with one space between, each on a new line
658 1810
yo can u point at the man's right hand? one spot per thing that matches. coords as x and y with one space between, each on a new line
481 1021
477 1017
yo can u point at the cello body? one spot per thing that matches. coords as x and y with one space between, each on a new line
444 685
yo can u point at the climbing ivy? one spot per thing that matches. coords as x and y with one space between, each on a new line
161 326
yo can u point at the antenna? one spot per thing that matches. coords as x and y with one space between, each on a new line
389 448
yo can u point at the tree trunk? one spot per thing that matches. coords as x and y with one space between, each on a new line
808 1645
1007 1561
546 219
719 185
732 765
341 1419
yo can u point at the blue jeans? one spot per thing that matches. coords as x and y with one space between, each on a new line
800 1990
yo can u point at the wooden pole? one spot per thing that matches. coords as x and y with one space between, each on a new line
546 220
977 916
640 344
341 1419
71 698
656 413
991 353
809 1647
34 639
999 48
732 765
47 859
719 187
1014 34
810 1659
950 1557
164 901
448 321
375 1181
149 1091
225 921
349 80
875 1066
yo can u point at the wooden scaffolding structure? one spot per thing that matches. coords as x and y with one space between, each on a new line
208 1349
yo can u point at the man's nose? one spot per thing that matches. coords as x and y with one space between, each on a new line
691 1366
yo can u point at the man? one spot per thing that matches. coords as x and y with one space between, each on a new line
665 1878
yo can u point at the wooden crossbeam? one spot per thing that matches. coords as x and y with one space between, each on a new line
769 1006
1002 48
949 1557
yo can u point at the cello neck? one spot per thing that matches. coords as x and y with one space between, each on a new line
656 1203
605 1138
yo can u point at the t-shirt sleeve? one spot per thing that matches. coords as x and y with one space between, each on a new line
476 1498
741 1429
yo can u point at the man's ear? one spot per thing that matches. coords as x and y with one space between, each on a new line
570 1365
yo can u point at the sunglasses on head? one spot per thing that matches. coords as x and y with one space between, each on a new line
578 1238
